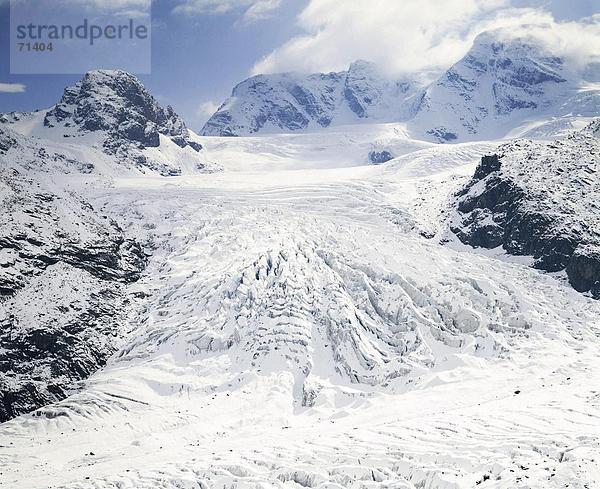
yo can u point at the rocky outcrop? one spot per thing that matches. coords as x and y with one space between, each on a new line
379 157
539 200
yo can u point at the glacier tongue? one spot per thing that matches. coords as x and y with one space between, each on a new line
297 328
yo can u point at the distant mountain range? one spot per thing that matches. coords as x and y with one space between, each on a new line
501 84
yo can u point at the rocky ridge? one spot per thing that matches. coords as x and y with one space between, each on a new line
118 114
63 270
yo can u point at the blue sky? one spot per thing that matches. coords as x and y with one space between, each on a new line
195 59
202 50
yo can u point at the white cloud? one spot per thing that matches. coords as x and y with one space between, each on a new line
206 109
410 35
12 88
197 116
578 42
252 9
261 9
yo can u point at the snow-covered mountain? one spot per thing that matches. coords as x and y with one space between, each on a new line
504 83
112 111
501 82
299 319
539 200
292 101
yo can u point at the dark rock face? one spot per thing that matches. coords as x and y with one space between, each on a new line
442 134
379 157
45 352
313 107
117 103
539 200
63 272
584 270
6 142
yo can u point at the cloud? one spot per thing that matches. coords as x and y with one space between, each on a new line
261 9
12 88
578 42
252 9
409 35
206 109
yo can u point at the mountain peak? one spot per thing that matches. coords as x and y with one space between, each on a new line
117 102
118 105
501 81
295 101
505 79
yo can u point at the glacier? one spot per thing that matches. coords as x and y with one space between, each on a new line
286 309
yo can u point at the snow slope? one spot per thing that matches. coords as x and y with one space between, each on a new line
502 82
305 327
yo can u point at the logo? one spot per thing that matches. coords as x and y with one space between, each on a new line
75 36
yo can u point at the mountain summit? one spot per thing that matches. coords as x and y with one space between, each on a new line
117 102
494 87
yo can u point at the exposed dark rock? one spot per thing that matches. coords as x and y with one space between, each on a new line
118 103
583 270
539 200
378 157
6 142
442 134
